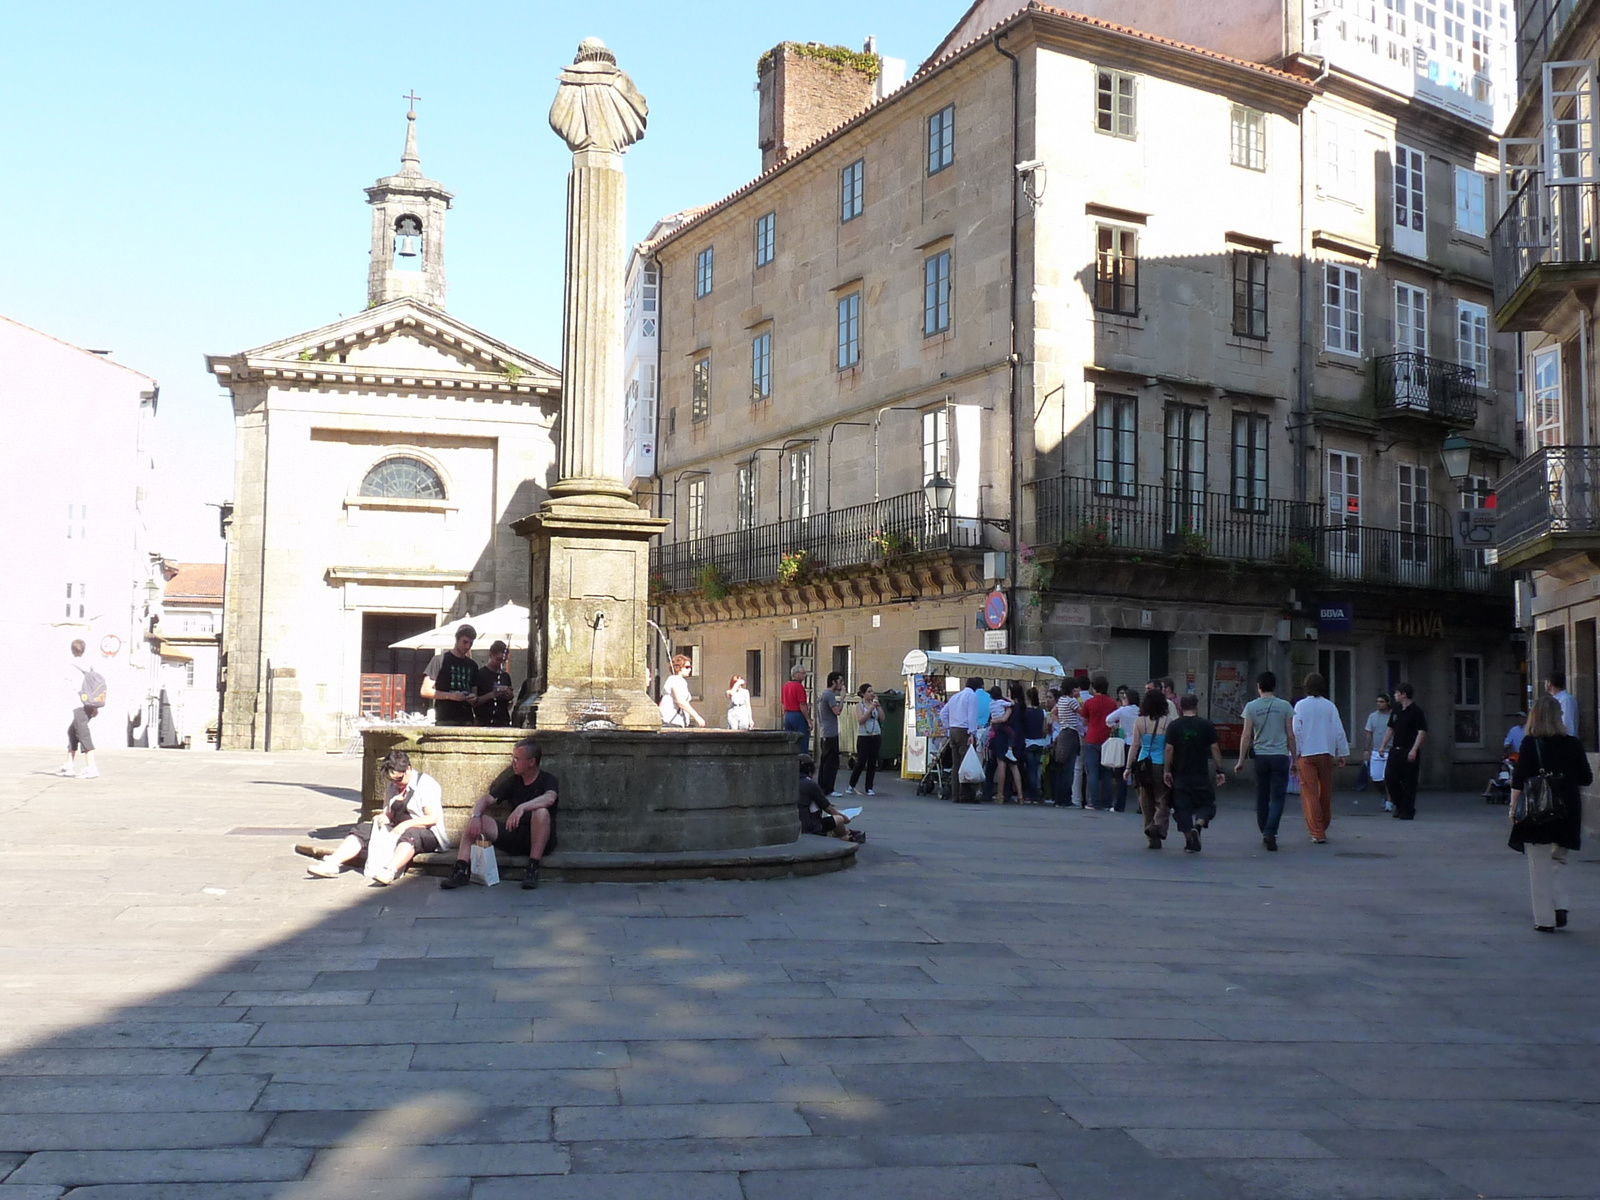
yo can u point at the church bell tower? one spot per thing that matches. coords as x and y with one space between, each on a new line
407 231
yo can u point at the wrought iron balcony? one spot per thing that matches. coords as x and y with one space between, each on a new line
1547 239
1403 558
1550 507
1409 384
894 527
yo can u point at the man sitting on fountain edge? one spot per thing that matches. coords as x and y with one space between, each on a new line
530 826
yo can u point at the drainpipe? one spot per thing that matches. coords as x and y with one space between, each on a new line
1015 497
1585 320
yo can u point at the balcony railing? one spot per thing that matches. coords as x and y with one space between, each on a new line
1414 385
1092 516
1096 514
1554 490
845 537
1544 224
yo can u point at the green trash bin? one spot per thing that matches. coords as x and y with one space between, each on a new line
894 721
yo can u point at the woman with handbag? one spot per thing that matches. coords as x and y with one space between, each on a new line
1115 757
1149 765
1547 809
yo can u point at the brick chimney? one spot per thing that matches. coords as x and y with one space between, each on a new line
808 88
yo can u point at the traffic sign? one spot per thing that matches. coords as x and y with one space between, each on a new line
995 610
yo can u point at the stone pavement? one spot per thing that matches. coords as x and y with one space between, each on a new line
1010 1003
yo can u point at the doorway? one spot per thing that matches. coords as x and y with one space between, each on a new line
1336 666
378 632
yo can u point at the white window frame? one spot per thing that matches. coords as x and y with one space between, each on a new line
766 238
1338 166
1116 445
1251 438
1343 495
1475 491
849 342
1341 309
1546 403
1571 122
1410 175
1463 667
700 389
942 139
1116 103
748 483
761 366
1247 138
936 443
1410 319
1472 202
800 477
852 190
936 294
695 510
1472 339
704 264
1411 512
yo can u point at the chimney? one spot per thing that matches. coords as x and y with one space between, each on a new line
808 88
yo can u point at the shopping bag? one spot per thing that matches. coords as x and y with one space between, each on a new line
485 867
380 850
1114 752
1377 765
971 767
1294 781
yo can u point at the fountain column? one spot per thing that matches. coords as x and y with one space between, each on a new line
589 542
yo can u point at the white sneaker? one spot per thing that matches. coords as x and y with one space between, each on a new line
870 792
66 771
89 773
325 870
1388 806
835 793
850 791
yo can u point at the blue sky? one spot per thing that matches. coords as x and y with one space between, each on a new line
182 179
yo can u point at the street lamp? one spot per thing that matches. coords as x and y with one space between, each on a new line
1456 453
938 490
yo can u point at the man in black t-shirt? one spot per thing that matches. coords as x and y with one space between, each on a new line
529 828
492 693
1193 772
1408 729
451 681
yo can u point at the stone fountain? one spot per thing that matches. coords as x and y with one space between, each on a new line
637 801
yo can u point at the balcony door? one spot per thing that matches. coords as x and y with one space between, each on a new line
1411 347
1185 453
1411 502
1344 514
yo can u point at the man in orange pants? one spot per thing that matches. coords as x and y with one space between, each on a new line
1320 738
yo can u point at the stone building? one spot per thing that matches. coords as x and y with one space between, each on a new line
79 426
187 638
1066 270
380 461
1546 272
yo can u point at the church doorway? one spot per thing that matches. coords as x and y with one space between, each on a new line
378 631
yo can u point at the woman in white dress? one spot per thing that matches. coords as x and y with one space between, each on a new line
677 711
739 714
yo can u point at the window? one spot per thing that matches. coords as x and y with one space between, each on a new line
1410 202
800 483
647 291
1548 423
1250 462
761 365
1571 122
1470 202
403 479
849 330
766 238
695 509
77 594
1469 700
936 294
1341 309
407 244
936 444
1410 320
77 522
842 656
941 139
1115 442
802 655
851 193
703 272
1475 493
700 390
1116 270
1114 104
1185 463
1249 294
752 673
1411 488
1472 339
1337 167
188 673
1247 138
748 480
1344 513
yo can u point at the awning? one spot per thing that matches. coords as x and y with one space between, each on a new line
508 624
991 666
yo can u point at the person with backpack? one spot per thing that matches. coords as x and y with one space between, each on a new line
1547 808
87 696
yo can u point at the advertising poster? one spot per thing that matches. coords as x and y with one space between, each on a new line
929 693
1230 692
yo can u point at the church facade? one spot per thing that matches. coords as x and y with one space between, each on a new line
379 463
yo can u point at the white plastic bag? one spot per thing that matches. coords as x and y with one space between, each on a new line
971 767
1114 753
1378 765
485 867
380 850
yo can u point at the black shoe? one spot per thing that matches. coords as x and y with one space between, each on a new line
1191 841
1270 842
460 876
1544 928
856 836
1153 840
1561 918
530 877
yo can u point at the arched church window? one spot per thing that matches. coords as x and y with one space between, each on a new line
408 244
403 479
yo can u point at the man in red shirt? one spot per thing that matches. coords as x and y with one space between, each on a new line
797 707
1097 784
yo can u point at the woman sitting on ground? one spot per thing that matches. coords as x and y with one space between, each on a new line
413 810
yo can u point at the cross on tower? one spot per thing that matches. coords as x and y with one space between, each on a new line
412 97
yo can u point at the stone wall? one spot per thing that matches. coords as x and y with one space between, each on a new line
802 96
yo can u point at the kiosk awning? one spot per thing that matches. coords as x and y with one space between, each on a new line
991 666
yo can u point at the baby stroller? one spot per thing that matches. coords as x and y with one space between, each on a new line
1498 789
937 779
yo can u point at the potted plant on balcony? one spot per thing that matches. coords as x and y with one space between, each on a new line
1189 542
1297 555
886 543
710 582
792 564
1091 537
658 588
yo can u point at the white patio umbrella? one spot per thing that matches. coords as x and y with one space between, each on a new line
508 624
